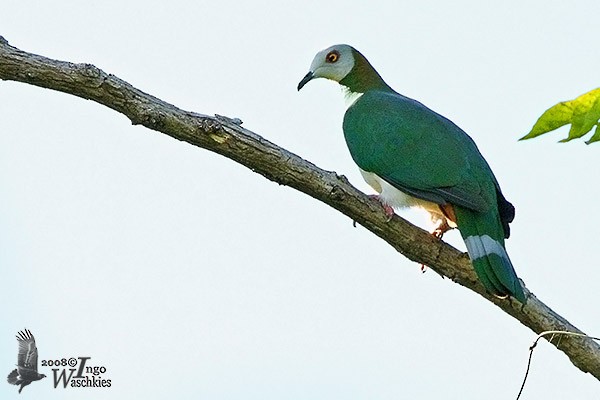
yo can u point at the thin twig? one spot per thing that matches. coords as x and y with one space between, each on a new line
541 335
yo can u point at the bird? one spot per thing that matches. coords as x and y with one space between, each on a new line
26 371
414 157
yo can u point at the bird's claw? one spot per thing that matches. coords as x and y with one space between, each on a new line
442 228
438 233
389 210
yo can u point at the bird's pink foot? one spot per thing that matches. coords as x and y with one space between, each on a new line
389 211
442 228
437 233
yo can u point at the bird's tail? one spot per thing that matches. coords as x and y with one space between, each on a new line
484 236
12 378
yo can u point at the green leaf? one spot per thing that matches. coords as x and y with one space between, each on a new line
596 136
582 113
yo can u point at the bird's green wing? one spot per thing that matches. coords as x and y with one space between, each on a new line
425 155
418 151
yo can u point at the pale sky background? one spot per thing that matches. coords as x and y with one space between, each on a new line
188 276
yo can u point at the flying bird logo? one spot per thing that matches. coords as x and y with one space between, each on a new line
27 362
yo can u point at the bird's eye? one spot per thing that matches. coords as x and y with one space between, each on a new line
332 56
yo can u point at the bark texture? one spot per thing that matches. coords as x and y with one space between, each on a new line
225 136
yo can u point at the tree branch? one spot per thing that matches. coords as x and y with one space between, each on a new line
226 137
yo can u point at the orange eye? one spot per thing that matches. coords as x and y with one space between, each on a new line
332 56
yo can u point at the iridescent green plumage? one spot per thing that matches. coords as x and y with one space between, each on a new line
414 156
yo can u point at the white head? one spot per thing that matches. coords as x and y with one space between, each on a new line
332 63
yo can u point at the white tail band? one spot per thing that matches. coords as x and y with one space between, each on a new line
483 245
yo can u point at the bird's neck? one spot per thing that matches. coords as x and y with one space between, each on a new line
363 77
350 97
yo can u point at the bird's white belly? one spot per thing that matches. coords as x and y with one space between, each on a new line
397 199
392 196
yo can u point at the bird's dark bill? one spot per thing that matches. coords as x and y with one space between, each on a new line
305 80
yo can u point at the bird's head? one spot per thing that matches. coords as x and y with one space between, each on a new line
333 63
347 66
